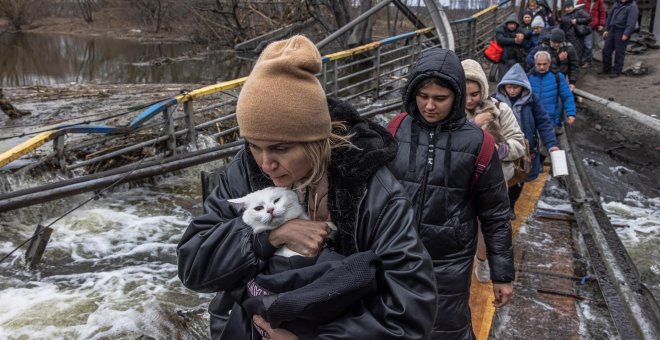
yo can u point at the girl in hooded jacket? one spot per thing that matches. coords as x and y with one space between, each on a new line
515 90
435 162
486 113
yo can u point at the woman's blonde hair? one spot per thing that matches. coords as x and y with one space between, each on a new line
318 152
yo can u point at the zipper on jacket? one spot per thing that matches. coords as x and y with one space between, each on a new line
357 217
430 160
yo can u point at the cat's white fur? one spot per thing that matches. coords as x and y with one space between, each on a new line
269 208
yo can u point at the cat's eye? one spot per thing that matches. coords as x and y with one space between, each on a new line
276 200
259 208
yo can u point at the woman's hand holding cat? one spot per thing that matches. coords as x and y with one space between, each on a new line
302 236
274 333
483 119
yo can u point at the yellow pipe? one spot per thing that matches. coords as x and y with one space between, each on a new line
208 90
39 140
29 145
424 30
353 51
484 11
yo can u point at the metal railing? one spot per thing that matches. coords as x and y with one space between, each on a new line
370 76
367 75
472 34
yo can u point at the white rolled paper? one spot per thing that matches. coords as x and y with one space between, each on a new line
559 166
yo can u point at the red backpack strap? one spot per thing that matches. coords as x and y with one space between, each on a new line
483 159
393 125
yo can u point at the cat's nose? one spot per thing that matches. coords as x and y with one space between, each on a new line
270 210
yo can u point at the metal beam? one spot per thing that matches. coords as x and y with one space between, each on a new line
441 23
352 24
27 146
633 311
640 117
46 193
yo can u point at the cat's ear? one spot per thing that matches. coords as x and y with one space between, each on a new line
238 203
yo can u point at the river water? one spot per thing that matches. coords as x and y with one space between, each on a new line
109 270
30 59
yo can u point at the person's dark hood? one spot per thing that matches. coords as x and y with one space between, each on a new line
544 4
445 65
511 18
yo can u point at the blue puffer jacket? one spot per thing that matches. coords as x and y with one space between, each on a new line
529 112
544 86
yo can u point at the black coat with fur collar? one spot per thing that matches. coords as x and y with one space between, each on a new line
218 252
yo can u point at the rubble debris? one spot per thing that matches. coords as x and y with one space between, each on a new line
641 41
637 69
9 109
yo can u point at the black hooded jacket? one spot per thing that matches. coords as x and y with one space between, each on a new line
219 253
435 164
506 39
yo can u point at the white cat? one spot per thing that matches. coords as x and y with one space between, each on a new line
268 209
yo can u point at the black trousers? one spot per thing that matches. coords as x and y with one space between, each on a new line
514 194
613 43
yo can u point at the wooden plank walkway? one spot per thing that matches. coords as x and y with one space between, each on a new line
481 294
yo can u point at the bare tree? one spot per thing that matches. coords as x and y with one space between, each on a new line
86 9
153 11
361 33
19 12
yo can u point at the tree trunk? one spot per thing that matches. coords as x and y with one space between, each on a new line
361 33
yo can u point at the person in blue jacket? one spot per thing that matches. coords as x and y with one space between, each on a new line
553 90
619 27
515 90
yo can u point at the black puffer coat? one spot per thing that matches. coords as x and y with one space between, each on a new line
435 165
510 50
218 252
581 18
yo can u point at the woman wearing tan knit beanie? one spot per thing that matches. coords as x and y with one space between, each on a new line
322 148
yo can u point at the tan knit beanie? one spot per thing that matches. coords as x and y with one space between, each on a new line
282 100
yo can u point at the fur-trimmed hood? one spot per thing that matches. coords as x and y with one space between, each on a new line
475 73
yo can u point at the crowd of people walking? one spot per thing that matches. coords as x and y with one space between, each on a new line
411 206
569 35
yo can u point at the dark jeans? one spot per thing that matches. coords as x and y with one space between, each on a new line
613 43
589 47
514 194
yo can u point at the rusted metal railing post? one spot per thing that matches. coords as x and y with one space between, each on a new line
495 20
472 36
324 77
169 130
58 147
377 74
37 246
335 76
190 122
